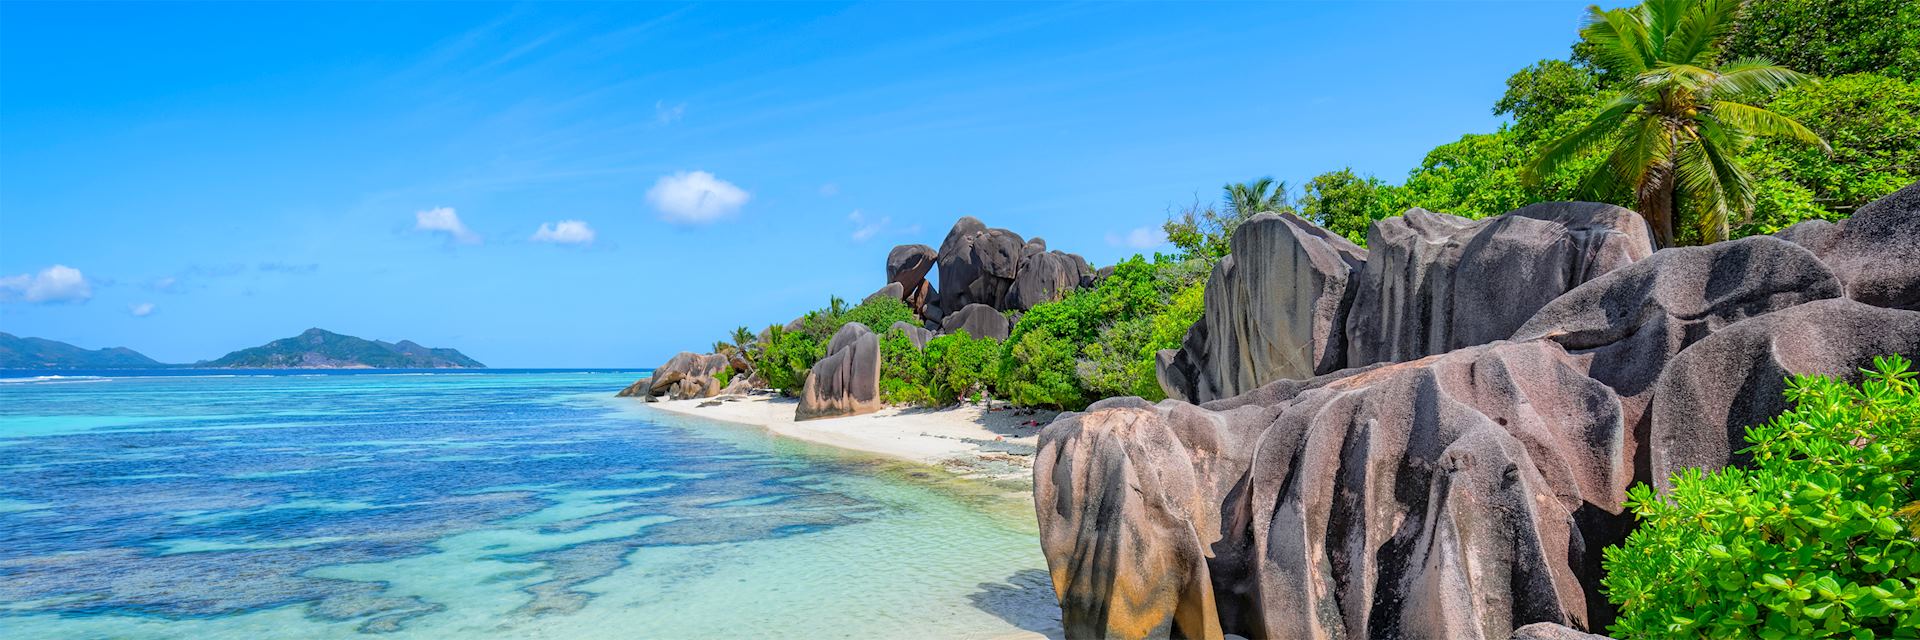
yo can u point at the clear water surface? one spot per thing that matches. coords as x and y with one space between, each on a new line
474 505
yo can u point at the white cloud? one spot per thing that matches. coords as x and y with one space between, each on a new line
564 232
141 310
58 283
444 220
829 189
1139 238
695 197
665 114
865 229
164 284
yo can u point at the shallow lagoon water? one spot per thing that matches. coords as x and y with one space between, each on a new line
474 506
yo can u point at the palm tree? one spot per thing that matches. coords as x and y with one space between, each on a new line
1677 128
742 337
836 306
1244 199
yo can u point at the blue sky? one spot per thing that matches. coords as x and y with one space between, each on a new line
580 185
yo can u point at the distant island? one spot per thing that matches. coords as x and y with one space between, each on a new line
40 353
312 349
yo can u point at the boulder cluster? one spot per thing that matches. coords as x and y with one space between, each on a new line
1433 437
986 276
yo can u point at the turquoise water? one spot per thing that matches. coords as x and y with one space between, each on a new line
525 505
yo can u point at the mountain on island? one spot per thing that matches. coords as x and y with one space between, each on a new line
322 349
40 353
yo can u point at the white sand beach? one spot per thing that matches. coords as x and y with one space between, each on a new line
965 439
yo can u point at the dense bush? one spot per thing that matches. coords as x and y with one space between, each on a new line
1816 540
879 315
786 357
1038 370
904 377
961 367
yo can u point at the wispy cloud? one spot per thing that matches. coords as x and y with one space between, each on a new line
830 189
58 283
140 310
445 220
695 197
1138 238
289 268
865 228
664 113
564 232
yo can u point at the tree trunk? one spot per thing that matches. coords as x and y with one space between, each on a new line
1656 204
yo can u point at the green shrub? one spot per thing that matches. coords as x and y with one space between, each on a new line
903 371
1038 370
787 357
725 376
1109 366
879 315
961 366
1816 540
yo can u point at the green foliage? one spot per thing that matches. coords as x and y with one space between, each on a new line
1038 370
1817 540
879 315
1247 199
787 357
1539 94
1832 37
904 377
1347 204
1674 134
1873 125
725 376
1112 364
961 366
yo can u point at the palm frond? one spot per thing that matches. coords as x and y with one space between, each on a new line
1664 76
1620 40
1752 120
1706 169
1755 79
1696 29
1648 146
1596 130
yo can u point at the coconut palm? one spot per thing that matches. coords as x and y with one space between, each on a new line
1244 199
742 337
1680 121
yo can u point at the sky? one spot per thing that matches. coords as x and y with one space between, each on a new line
603 185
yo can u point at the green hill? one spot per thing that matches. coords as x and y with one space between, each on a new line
40 353
322 349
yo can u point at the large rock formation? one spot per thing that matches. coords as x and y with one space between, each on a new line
918 334
1876 252
1046 276
1275 310
847 381
908 265
1429 499
1735 377
979 321
977 264
1435 282
686 376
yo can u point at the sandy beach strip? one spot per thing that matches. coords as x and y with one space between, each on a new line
960 438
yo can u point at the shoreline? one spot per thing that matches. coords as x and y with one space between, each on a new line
967 440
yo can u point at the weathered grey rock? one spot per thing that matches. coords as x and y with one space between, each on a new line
918 334
1128 499
641 388
685 376
1630 322
1427 499
1275 309
1875 252
740 386
978 320
847 381
977 264
1046 276
1435 282
1710 393
892 291
908 264
1551 631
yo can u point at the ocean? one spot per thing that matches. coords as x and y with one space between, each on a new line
475 504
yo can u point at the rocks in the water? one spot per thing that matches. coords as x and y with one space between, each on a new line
978 320
917 334
686 376
1428 499
1875 253
1046 276
977 264
1551 631
1708 395
1275 309
847 381
1435 282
